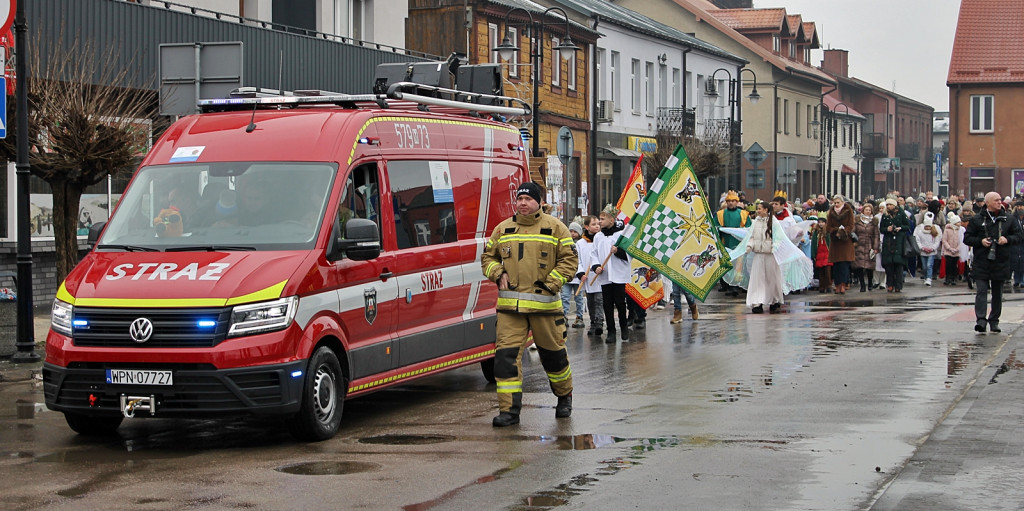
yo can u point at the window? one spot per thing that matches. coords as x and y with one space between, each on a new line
785 116
662 85
493 42
807 55
676 90
602 83
556 64
649 87
797 118
425 205
570 69
613 82
810 127
816 132
776 43
513 65
982 109
778 115
634 78
349 19
792 50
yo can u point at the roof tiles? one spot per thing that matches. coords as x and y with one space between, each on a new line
752 19
989 43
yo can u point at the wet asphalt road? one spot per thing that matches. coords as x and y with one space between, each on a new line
817 408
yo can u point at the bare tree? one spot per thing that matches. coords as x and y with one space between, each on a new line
83 125
708 160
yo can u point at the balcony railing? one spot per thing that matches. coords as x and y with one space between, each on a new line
680 122
910 151
874 145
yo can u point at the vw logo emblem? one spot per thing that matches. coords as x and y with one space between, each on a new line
141 330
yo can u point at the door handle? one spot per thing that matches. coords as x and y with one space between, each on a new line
385 275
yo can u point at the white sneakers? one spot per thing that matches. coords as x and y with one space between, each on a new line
928 282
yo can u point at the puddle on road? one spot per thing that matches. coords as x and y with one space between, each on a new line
1011 363
407 439
328 468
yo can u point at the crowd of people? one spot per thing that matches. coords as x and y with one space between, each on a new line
849 246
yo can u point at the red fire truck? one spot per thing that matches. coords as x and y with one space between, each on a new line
277 253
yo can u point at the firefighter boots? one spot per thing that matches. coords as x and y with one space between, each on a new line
507 419
563 409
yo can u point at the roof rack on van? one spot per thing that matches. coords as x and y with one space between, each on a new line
398 96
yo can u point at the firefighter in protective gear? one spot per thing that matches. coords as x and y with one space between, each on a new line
530 256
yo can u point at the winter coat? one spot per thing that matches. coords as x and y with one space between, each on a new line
951 240
892 242
929 243
761 236
840 247
986 225
820 249
539 256
867 242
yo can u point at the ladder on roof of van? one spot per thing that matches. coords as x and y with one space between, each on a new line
398 95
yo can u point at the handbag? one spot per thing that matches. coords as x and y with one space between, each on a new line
910 247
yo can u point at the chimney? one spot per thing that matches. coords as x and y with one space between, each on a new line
837 62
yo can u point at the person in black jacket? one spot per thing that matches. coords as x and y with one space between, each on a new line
992 231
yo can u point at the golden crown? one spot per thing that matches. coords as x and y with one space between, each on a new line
780 193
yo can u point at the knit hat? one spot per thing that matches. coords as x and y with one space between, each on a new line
529 188
577 228
952 218
929 218
891 202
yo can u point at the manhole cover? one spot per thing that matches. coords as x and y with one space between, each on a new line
407 439
328 468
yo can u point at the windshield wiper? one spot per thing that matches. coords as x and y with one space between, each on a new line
209 248
129 248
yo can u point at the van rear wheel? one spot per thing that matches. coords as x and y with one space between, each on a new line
323 397
487 366
93 425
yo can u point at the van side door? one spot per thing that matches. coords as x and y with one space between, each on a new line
367 290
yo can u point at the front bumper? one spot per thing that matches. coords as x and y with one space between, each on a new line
198 391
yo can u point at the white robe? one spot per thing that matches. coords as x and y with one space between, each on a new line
616 270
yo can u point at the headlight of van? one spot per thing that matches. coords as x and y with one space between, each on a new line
60 317
256 318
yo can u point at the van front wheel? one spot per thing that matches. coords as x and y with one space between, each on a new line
323 396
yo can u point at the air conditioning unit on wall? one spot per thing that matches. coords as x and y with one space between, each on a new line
605 110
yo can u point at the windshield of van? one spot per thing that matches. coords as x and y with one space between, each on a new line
222 206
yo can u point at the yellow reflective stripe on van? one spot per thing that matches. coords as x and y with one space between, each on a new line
560 377
541 238
152 303
509 387
64 296
417 372
422 120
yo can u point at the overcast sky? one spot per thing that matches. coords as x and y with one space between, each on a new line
901 42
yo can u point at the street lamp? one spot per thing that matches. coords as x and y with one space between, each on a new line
711 91
506 50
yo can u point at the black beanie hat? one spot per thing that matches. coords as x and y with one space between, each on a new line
529 188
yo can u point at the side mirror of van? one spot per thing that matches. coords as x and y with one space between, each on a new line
361 240
94 233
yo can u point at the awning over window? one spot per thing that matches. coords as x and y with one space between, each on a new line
848 169
622 151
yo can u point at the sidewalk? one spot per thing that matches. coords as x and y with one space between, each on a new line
974 458
25 371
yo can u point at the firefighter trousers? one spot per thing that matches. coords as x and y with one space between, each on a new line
549 331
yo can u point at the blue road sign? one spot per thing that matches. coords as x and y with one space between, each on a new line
3 108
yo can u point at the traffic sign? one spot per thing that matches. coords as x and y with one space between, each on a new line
755 155
3 108
7 8
564 145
